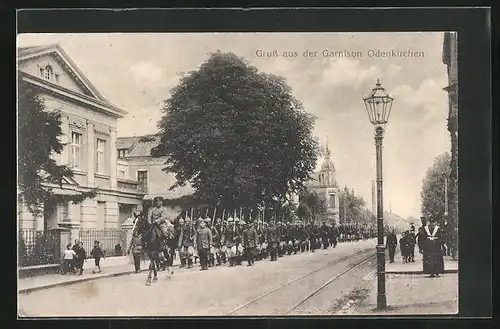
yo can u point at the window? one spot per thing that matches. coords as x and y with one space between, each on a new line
101 151
76 143
142 178
63 211
122 153
48 72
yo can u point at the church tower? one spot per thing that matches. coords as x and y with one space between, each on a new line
328 188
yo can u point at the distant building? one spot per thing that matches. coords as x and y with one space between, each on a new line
146 169
450 59
324 183
89 126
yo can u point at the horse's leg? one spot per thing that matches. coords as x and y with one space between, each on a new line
151 266
155 272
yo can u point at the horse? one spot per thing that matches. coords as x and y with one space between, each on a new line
152 242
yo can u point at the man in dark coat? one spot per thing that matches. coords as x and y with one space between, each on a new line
433 262
421 234
333 236
411 247
390 243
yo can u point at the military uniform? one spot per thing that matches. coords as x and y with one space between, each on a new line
186 242
231 240
272 239
333 236
158 216
325 233
249 237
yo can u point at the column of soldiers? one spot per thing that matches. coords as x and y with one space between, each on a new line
233 241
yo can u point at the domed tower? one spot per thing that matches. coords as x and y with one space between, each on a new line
328 187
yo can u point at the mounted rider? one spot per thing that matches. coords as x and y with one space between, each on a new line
158 217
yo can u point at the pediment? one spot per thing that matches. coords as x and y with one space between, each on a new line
66 180
65 74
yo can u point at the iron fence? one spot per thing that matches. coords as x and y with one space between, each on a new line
112 241
39 247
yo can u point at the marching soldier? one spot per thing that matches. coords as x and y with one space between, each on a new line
216 243
303 237
186 241
333 236
325 232
222 227
239 241
281 238
211 251
289 238
230 238
249 237
272 240
313 236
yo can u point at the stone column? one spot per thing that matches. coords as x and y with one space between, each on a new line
128 226
113 158
73 229
90 154
89 213
111 215
40 221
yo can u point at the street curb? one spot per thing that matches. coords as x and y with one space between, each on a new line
419 272
67 283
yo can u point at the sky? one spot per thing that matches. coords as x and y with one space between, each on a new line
136 71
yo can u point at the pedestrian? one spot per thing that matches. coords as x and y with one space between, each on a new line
203 243
403 245
411 244
391 244
421 234
250 238
68 260
81 257
97 253
136 248
433 262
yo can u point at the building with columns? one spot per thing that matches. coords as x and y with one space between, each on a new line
89 125
450 59
324 183
147 170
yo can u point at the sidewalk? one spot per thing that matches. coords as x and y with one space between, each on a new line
410 292
450 265
29 284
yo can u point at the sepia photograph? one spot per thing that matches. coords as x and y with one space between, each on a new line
237 174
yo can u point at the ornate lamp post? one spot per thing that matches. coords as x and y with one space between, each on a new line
378 106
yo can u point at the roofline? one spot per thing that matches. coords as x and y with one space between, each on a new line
71 94
57 48
139 136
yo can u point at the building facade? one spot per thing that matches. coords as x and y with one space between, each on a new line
450 59
147 170
89 125
324 183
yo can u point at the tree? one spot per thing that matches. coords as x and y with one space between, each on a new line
38 139
237 135
433 187
352 209
311 205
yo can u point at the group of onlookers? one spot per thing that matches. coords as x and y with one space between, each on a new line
433 240
75 256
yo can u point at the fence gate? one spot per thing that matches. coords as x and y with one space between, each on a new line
112 241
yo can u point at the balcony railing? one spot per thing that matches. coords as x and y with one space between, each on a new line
127 184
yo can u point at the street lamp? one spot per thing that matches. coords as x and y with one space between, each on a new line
378 106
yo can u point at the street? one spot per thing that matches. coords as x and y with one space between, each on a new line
305 283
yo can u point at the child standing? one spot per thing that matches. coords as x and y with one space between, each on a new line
68 257
97 253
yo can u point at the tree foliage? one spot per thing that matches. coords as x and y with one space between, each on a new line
38 140
237 135
352 209
433 187
311 206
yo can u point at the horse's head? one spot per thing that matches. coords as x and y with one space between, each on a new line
140 223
